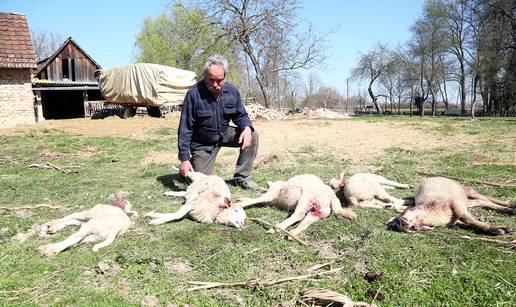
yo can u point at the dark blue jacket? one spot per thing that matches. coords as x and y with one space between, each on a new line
204 122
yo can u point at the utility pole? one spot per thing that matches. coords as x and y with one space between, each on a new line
347 96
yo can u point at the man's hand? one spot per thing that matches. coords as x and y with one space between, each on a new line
185 167
245 138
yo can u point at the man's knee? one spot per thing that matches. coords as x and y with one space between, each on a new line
254 138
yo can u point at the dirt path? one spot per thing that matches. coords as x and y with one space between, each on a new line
359 142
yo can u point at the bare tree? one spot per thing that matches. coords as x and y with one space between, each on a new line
45 43
458 31
371 66
266 31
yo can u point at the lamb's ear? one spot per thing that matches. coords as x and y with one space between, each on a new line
341 176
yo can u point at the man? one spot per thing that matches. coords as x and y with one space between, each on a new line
204 128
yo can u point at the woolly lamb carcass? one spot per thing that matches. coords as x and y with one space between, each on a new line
368 191
100 223
207 200
442 202
307 196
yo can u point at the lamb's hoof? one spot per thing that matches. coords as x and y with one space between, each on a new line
272 230
47 250
496 231
51 230
506 229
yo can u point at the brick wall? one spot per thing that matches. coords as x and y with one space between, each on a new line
16 97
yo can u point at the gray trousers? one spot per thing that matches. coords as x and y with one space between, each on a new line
203 161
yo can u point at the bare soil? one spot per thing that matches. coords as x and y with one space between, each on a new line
356 143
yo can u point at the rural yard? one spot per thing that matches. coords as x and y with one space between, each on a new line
55 168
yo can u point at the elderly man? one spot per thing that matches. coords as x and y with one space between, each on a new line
204 127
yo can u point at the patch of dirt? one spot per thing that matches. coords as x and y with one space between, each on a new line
178 267
108 268
358 142
160 157
149 301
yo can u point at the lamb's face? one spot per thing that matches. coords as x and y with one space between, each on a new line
406 222
236 216
334 183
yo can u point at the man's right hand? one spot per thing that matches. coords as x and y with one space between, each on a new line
185 167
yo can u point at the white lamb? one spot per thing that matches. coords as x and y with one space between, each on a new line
368 191
208 200
100 223
306 195
442 202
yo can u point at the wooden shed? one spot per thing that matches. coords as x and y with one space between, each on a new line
65 82
17 58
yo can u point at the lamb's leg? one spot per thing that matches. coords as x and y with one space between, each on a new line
91 239
72 219
352 200
109 239
372 203
267 197
387 182
303 206
308 220
55 248
467 218
162 218
490 205
175 193
396 203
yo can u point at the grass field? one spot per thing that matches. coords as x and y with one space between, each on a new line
152 265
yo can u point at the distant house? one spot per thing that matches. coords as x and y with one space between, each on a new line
17 58
65 81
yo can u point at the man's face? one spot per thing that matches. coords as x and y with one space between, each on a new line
215 79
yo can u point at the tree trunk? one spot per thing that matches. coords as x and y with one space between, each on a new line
374 98
462 88
475 83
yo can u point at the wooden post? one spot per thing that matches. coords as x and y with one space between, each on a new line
87 112
39 108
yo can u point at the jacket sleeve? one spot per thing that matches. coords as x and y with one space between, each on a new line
241 118
184 133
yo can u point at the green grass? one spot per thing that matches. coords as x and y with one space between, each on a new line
426 269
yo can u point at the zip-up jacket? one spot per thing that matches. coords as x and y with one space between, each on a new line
204 121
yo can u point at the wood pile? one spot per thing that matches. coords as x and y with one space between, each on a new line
325 113
257 111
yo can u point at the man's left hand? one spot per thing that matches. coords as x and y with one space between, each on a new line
245 138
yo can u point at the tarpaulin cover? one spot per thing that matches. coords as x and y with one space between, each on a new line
145 84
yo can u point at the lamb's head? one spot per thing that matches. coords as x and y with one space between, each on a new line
122 203
337 183
408 221
231 215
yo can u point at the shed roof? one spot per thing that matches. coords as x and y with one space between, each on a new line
16 50
45 62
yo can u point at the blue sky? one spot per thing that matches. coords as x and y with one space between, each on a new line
106 29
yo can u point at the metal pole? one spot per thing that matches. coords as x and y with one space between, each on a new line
347 96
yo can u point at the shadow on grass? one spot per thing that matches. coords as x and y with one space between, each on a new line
174 182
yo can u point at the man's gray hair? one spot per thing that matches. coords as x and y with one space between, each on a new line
217 60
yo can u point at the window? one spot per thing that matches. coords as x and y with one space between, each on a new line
72 65
65 68
68 69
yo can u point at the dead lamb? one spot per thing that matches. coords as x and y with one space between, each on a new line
207 200
306 195
442 202
100 223
368 191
